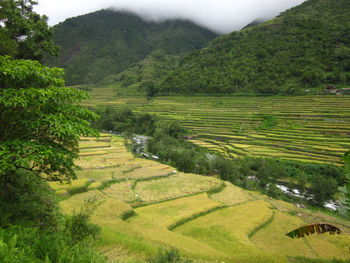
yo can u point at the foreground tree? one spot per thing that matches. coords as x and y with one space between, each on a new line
24 34
40 121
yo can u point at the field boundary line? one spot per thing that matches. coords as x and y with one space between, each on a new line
137 205
193 217
95 147
204 213
263 225
100 168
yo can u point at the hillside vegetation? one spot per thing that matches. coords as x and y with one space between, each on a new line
147 205
304 48
147 73
107 42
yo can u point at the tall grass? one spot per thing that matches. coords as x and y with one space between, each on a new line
31 245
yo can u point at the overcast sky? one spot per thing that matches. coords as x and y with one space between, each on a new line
222 16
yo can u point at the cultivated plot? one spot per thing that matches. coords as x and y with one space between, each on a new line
144 205
175 186
308 128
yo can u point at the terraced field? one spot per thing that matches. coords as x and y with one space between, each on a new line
146 205
309 128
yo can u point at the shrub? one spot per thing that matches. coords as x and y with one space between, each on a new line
26 198
10 253
171 255
78 226
32 245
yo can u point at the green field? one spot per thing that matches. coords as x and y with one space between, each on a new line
144 207
309 128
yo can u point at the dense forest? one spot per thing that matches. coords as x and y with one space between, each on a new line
107 42
304 48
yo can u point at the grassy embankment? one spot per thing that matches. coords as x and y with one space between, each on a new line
147 205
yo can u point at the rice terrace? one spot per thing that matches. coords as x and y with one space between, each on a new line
146 205
305 128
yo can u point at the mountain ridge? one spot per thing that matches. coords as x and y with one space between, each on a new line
107 42
305 47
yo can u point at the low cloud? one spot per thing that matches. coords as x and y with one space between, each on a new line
222 16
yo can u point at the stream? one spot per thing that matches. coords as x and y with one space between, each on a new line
332 205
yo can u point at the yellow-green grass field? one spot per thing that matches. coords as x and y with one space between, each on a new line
122 191
312 246
309 128
145 205
228 229
62 188
75 202
232 195
168 214
175 186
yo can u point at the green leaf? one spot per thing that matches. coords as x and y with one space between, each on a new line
13 242
41 120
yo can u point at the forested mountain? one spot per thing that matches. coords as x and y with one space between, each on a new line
107 42
303 48
152 69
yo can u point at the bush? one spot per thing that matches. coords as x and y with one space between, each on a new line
10 253
78 226
171 255
68 243
322 189
125 121
34 231
27 199
32 245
